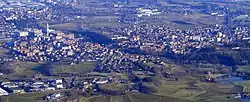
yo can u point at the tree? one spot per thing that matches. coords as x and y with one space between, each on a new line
8 67
147 89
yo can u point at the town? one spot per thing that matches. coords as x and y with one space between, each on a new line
124 50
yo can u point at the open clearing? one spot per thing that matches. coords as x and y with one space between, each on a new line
134 97
191 89
23 70
244 68
82 67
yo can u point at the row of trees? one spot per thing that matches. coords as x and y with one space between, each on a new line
228 58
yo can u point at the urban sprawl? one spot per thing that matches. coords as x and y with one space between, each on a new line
48 45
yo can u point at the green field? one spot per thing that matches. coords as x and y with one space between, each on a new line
65 26
246 85
244 68
123 75
29 97
114 87
22 70
27 70
196 20
189 88
82 67
134 97
90 21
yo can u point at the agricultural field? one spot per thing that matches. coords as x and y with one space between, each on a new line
82 67
133 97
65 26
114 87
189 88
104 17
23 70
246 85
31 97
186 89
244 68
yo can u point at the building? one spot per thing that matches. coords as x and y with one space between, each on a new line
17 90
24 34
54 96
3 92
59 86
59 81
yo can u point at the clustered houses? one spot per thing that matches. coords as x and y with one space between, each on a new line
156 38
6 29
32 10
242 33
23 10
36 45
125 62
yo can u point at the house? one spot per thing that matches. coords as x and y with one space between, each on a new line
17 90
50 88
59 86
9 85
102 82
23 33
59 81
54 96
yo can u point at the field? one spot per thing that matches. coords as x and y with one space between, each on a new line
191 89
136 97
194 20
133 97
82 67
186 89
30 70
244 68
101 16
23 70
246 85
114 87
30 97
65 26
90 21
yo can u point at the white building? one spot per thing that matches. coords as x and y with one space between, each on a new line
102 82
59 81
3 92
59 86
24 34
